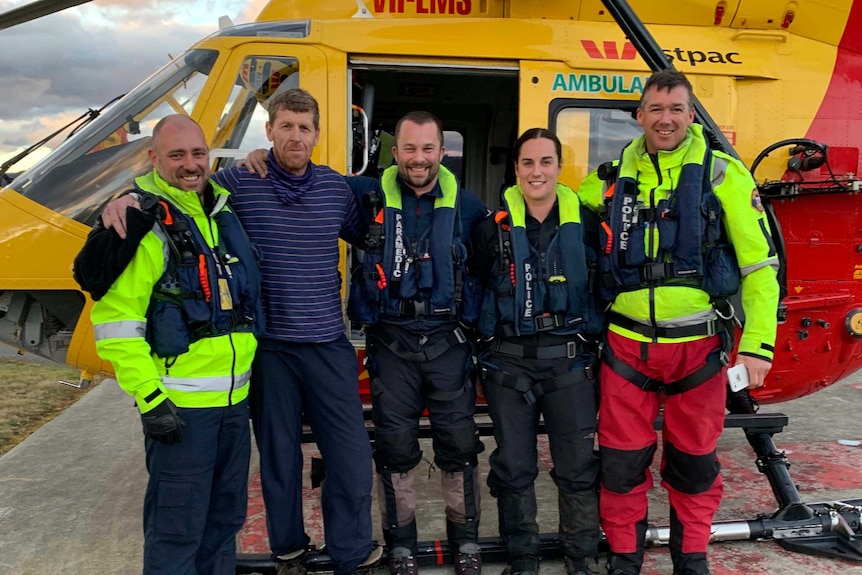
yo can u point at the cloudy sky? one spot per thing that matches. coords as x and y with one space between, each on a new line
55 68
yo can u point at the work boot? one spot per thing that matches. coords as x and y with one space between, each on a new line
508 571
578 567
291 563
689 563
579 529
401 562
625 563
468 560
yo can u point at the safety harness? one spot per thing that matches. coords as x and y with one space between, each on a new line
203 292
533 390
415 278
430 353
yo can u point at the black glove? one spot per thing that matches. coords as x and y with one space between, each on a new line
163 423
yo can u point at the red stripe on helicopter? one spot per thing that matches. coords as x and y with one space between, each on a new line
837 121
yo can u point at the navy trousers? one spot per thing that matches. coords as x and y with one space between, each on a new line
196 497
321 380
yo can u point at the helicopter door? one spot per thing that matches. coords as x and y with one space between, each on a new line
254 74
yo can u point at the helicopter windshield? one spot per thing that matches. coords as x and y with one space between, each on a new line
101 160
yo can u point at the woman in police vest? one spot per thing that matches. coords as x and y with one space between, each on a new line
538 320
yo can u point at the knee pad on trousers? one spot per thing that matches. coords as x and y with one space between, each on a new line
624 470
456 448
396 451
688 473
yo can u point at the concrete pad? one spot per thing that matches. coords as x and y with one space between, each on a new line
71 494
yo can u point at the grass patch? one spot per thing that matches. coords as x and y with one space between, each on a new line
31 397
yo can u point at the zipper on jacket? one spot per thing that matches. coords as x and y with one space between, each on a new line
232 370
652 251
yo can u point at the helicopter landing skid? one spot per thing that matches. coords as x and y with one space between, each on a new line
830 529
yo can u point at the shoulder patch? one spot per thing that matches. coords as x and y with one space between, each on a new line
756 203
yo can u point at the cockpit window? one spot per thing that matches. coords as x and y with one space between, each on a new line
242 125
103 159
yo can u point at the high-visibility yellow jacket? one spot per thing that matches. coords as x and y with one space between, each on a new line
215 371
746 227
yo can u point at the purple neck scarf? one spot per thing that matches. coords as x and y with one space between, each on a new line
289 187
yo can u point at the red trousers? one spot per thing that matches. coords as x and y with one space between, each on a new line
693 421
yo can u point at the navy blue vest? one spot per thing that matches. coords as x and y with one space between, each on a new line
204 292
692 246
524 296
399 280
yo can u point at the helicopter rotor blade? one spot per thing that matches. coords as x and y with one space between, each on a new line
35 10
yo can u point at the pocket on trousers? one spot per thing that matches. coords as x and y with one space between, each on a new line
172 507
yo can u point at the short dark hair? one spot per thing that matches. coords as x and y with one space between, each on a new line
420 117
296 100
537 134
667 80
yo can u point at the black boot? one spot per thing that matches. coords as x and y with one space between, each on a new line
629 563
404 537
690 564
518 528
579 567
579 528
684 563
463 540
625 563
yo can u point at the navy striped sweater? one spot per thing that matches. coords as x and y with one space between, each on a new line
299 242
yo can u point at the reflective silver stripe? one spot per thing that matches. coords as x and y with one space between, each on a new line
160 233
771 262
221 383
719 170
120 329
221 200
682 321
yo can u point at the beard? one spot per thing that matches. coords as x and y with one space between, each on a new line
417 180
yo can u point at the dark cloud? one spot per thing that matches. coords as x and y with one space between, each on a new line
55 68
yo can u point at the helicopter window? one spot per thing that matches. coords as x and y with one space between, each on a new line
242 125
102 159
595 132
454 158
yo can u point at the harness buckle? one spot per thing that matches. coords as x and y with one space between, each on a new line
545 322
649 385
459 335
729 314
571 349
710 327
724 357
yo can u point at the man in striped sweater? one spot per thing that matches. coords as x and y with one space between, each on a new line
304 362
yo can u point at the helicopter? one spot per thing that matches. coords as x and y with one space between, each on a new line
780 80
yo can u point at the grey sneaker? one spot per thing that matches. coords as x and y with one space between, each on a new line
401 562
468 560
371 562
291 563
